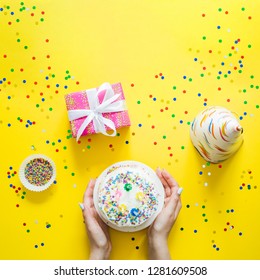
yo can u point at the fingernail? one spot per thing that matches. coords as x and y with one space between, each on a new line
180 190
81 206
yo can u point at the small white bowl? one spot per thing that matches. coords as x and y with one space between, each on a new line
25 181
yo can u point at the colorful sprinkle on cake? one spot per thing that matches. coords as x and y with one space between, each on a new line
127 198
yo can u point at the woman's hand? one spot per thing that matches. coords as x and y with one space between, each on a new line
159 230
99 238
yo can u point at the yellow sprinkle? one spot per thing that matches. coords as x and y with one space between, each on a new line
122 207
139 196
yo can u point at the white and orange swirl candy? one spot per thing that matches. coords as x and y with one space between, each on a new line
216 134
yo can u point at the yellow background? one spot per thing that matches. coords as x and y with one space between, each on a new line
51 48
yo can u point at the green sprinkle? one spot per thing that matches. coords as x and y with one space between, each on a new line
42 19
203 206
182 147
208 163
227 211
202 75
173 116
245 102
225 76
190 79
12 69
220 10
27 230
204 37
25 47
164 136
88 146
257 106
244 90
249 46
205 220
240 71
220 41
218 77
203 215
252 76
230 54
65 148
34 7
251 86
188 123
37 105
174 87
18 20
243 9
138 102
127 187
50 109
72 174
18 40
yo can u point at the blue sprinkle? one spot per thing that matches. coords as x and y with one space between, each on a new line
200 172
4 79
181 121
219 72
245 113
162 77
47 78
241 65
195 231
241 188
199 94
195 59
47 141
154 99
24 81
65 87
174 99
12 13
9 97
241 118
127 142
218 27
9 125
184 77
222 63
59 140
139 124
205 104
57 85
43 99
229 72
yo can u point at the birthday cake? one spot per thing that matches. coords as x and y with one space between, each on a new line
129 196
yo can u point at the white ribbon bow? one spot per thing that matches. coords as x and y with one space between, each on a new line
108 105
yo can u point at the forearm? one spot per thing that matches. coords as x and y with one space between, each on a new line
158 248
